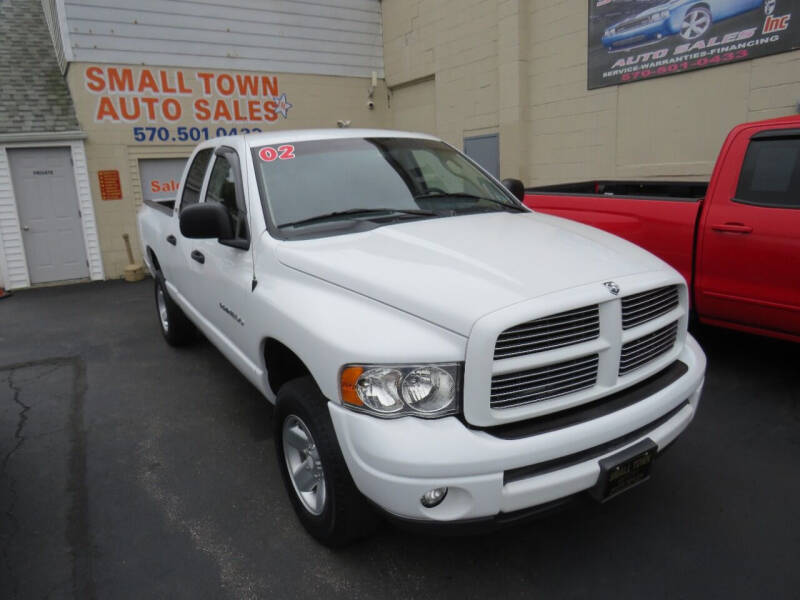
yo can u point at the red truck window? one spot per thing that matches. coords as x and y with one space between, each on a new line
770 173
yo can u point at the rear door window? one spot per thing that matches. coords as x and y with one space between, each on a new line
195 176
224 187
771 173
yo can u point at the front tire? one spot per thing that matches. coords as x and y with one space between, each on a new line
176 328
319 485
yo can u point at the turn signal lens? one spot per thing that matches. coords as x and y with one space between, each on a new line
348 385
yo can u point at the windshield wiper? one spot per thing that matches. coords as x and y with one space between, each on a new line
426 195
354 212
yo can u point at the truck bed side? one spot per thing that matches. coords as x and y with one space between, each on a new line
154 220
663 224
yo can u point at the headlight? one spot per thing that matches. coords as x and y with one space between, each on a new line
659 16
378 389
427 391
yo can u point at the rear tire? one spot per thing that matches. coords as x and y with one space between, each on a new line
696 23
176 328
319 485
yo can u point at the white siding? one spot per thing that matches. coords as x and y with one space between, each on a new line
53 14
327 37
12 252
90 238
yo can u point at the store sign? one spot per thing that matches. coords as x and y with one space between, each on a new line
161 177
110 186
630 40
162 96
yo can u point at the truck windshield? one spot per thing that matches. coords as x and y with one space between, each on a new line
323 181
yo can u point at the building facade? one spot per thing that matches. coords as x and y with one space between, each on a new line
102 101
520 70
143 84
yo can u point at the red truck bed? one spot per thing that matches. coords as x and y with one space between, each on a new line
736 240
660 215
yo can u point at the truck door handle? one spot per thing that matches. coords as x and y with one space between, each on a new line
732 228
171 239
198 256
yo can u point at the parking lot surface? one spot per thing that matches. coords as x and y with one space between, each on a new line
134 470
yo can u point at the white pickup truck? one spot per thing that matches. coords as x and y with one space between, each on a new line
436 352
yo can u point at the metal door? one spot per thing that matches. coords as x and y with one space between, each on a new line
47 203
484 150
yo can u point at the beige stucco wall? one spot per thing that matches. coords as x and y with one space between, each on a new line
518 67
317 101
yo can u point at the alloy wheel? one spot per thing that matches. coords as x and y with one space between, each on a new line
695 23
304 465
163 315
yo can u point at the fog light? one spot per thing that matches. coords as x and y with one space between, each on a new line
433 497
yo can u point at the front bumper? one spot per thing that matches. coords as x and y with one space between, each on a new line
394 462
639 36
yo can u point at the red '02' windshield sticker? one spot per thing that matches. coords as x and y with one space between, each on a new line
284 152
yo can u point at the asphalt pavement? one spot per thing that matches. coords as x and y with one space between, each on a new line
134 470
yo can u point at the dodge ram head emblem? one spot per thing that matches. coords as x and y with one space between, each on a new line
612 287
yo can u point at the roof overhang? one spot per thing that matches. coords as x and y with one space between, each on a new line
41 136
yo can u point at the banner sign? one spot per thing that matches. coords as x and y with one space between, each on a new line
630 40
149 95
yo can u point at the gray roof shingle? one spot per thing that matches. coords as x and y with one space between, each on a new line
33 93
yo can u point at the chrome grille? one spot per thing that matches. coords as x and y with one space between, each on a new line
646 306
639 352
543 383
555 331
628 25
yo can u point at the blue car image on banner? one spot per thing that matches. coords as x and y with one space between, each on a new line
631 40
689 18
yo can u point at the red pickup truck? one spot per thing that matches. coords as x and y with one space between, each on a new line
736 240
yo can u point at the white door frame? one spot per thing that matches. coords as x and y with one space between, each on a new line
13 262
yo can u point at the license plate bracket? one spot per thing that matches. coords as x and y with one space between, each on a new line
624 470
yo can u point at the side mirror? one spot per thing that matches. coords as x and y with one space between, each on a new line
206 220
516 187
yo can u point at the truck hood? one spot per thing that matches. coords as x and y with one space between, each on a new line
452 271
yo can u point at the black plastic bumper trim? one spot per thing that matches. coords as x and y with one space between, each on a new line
478 525
590 453
591 410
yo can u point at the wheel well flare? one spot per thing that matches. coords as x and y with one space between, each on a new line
282 364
